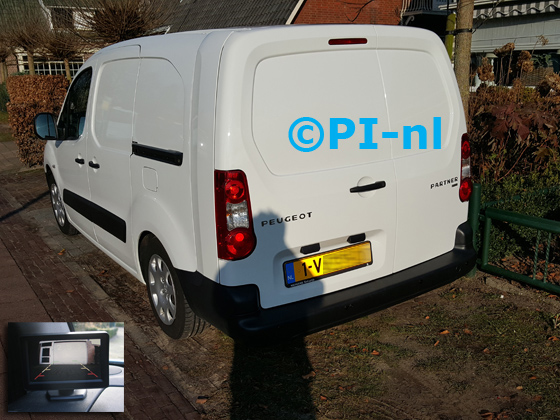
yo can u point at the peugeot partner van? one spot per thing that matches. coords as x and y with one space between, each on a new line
272 181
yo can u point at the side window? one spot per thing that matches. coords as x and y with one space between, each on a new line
73 115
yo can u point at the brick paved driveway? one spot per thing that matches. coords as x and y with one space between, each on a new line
46 276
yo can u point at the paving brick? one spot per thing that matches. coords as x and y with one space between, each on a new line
55 287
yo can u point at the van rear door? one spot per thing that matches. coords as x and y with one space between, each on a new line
302 203
307 117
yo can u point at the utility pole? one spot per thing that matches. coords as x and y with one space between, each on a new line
463 49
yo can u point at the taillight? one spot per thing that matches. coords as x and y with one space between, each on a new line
234 222
465 187
347 41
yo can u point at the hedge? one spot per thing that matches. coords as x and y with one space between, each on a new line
30 95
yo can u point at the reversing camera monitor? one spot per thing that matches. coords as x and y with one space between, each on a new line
66 361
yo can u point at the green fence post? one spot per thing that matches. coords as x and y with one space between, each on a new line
474 211
474 218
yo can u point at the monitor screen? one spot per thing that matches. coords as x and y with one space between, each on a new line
66 361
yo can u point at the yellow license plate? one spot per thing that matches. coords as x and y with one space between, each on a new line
304 270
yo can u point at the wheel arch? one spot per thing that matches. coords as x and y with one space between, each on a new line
150 219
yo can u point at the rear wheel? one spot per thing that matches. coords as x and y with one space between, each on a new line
173 313
59 209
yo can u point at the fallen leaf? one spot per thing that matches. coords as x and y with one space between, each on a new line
323 398
537 398
353 347
528 410
103 273
444 332
519 388
427 317
486 351
525 350
375 353
165 367
554 338
201 399
341 388
309 375
436 343
532 378
62 252
364 350
467 331
70 291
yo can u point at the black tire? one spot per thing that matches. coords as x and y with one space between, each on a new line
59 209
172 311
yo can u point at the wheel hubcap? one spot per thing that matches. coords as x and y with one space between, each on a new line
162 290
58 205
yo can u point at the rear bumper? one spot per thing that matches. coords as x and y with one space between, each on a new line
237 311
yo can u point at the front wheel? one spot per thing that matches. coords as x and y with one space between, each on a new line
59 209
173 313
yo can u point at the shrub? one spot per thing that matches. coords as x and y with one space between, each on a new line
514 136
513 131
536 194
30 95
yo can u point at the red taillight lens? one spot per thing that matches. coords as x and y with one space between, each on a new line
234 225
235 190
239 243
347 41
465 147
465 188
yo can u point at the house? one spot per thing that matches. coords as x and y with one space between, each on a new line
205 14
58 14
531 26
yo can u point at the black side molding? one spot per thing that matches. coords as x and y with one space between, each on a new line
173 157
96 214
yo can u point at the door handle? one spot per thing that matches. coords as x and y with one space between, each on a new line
369 187
93 165
79 160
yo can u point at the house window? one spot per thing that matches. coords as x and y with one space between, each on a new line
62 18
46 67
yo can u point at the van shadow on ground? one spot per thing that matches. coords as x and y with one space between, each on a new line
271 382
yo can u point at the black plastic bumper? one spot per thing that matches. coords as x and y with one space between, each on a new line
237 311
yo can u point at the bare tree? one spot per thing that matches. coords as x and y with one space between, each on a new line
111 21
5 52
62 44
24 23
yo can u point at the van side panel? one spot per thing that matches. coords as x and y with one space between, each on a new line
109 147
202 149
161 155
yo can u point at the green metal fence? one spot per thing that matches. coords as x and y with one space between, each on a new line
545 238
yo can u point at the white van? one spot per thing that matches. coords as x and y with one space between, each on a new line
270 181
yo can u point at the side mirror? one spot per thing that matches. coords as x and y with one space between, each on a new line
45 127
